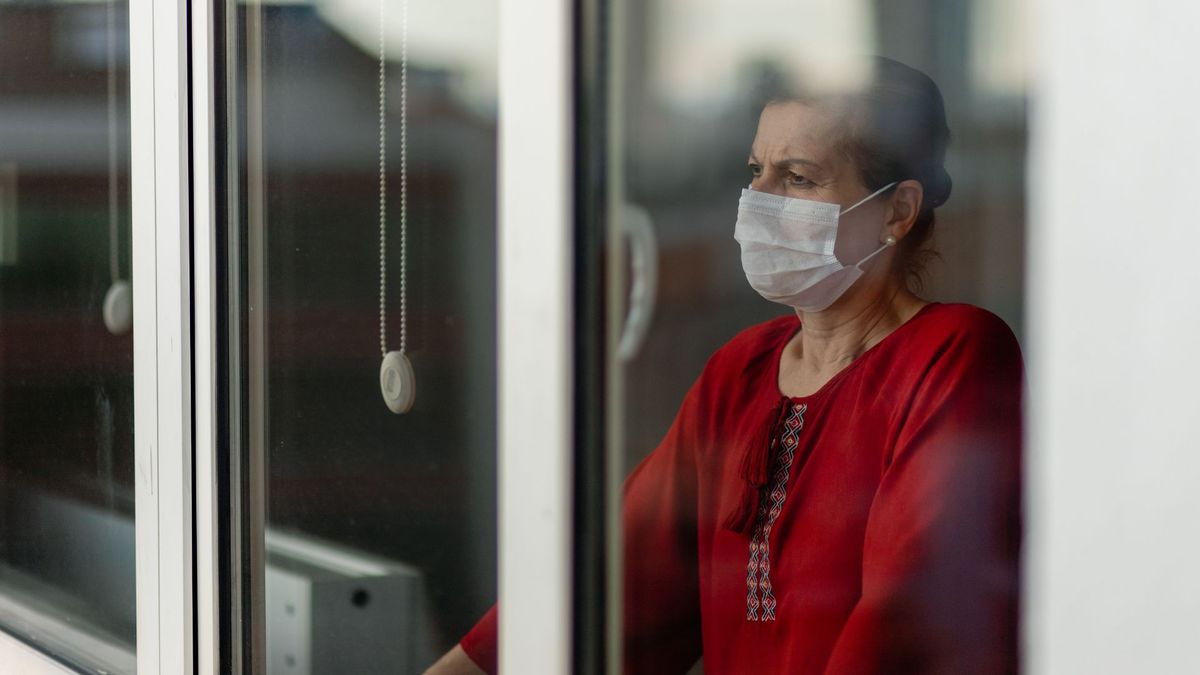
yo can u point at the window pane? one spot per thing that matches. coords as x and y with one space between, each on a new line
380 527
66 359
698 77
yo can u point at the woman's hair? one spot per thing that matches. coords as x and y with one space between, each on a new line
893 128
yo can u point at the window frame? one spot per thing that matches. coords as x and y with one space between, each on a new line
161 148
163 439
536 342
25 658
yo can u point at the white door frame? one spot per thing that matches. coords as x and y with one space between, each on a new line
204 288
535 335
162 334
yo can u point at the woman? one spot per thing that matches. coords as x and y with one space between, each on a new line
840 491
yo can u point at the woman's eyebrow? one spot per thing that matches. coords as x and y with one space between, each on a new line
789 161
793 161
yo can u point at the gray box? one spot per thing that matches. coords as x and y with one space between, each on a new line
332 610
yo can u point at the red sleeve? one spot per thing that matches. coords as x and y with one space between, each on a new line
480 643
659 528
662 604
661 575
940 556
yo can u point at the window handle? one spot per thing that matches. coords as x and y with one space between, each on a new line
637 226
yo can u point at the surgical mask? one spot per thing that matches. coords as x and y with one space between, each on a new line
787 249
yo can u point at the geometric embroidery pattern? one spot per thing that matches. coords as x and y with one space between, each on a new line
760 598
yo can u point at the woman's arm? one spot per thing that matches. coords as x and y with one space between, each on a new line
661 576
940 554
455 662
661 586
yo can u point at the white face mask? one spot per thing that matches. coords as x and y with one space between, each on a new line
787 249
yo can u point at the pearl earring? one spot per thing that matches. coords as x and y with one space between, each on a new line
890 241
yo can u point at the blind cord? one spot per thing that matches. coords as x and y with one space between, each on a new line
383 350
114 239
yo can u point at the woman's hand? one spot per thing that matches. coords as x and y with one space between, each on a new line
455 662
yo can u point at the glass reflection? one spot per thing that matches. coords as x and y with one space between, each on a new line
381 544
66 359
678 119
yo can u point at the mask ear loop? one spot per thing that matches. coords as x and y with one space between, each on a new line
876 252
869 197
862 201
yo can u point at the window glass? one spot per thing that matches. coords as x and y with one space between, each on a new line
66 351
697 76
380 526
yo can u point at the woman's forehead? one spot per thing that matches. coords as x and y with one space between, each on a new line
795 129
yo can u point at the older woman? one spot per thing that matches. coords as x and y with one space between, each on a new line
840 491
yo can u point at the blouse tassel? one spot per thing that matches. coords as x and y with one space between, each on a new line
755 472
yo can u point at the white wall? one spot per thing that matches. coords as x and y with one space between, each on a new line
1113 545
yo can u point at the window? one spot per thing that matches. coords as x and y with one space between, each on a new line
66 340
368 227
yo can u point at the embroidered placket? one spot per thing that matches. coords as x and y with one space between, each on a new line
760 599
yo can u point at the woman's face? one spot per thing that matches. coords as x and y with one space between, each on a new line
795 155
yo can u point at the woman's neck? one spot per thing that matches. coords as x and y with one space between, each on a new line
831 340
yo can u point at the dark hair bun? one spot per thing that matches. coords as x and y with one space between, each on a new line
898 131
937 188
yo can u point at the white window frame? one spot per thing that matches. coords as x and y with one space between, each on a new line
535 341
162 335
22 658
205 284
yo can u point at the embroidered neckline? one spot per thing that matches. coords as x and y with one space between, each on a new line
777 355
760 596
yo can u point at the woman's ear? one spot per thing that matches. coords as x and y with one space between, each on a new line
904 206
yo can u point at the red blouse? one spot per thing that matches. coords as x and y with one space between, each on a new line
880 516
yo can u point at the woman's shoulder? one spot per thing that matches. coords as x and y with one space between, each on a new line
750 351
758 341
954 321
960 333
